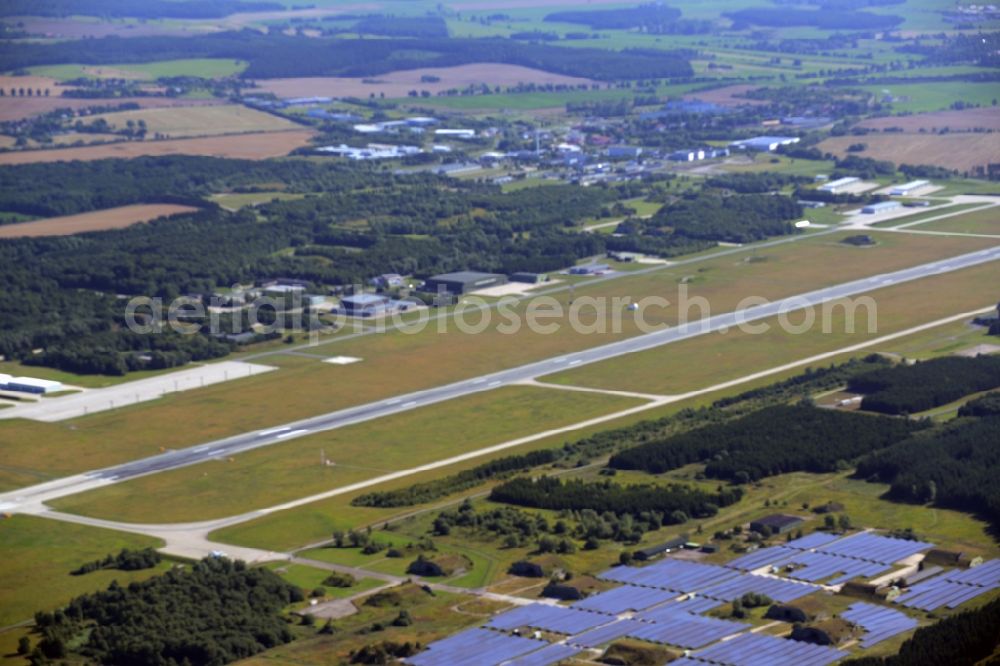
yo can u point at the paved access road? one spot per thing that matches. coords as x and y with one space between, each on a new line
344 417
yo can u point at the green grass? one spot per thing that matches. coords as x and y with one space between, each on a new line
937 96
38 554
711 359
980 222
208 68
925 214
308 578
86 381
236 200
283 472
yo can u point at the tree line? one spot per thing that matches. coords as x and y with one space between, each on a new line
677 502
908 389
771 441
125 560
150 9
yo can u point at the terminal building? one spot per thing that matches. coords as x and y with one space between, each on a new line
462 282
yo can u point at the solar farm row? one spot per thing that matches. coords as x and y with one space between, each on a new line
879 623
764 650
475 647
557 619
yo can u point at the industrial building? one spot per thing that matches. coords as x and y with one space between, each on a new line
529 278
777 523
765 143
374 151
462 282
370 305
28 385
881 207
624 152
456 133
908 188
839 185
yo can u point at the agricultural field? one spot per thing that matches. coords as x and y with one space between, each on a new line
100 220
962 152
199 121
255 146
26 107
954 121
208 68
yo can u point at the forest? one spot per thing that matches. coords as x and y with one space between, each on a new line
150 9
826 19
953 467
909 389
431 27
209 614
776 440
970 637
707 216
125 560
676 502
276 55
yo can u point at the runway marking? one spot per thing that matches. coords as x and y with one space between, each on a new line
495 383
410 403
292 433
265 433
394 401
574 361
478 381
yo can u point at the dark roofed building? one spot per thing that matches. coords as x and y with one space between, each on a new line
660 548
776 523
952 558
462 282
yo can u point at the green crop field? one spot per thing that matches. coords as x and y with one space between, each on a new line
291 470
38 554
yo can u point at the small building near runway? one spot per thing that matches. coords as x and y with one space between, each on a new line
462 282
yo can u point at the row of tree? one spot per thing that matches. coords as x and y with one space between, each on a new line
771 441
908 389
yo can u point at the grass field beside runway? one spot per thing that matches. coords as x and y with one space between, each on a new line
397 362
979 222
714 358
288 471
38 554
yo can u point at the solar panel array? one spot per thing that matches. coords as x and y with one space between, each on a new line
557 619
764 650
604 634
552 654
819 565
878 622
686 630
814 540
475 647
761 558
678 575
875 548
778 589
986 574
625 598
667 611
952 589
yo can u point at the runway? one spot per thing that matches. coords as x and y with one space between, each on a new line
241 443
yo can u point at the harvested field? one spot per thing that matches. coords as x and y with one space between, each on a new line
68 28
967 119
98 220
952 151
12 108
257 146
200 121
727 96
33 82
398 84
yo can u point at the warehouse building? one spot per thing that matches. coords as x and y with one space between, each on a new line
765 143
777 523
881 207
462 282
28 385
839 185
529 278
590 269
908 188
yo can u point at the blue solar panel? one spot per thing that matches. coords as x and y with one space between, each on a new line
986 574
816 566
686 630
939 592
761 558
552 654
875 548
878 622
625 598
778 589
605 634
558 619
764 650
814 540
475 647
670 574
671 609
